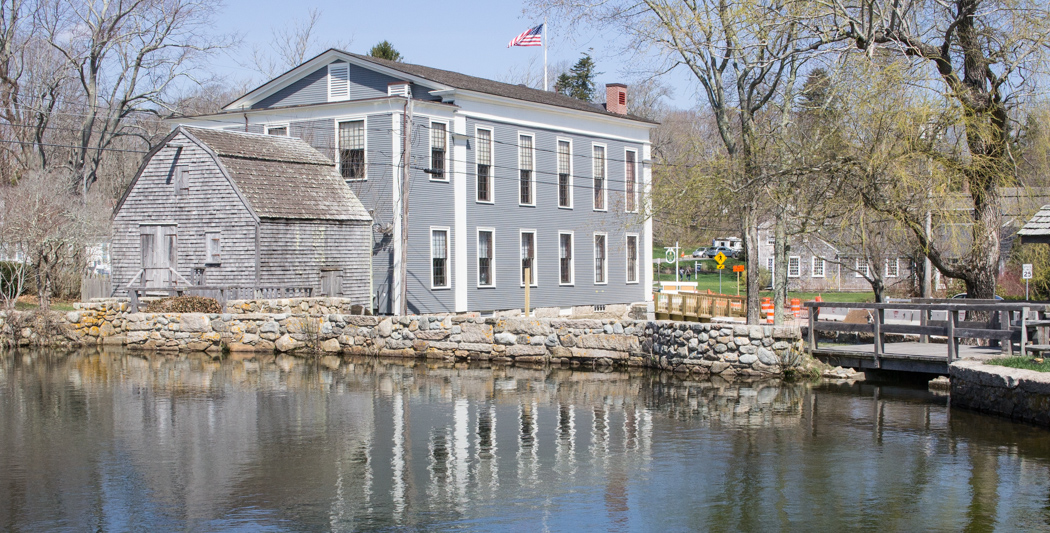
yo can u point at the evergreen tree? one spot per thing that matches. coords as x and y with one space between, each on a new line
579 81
385 50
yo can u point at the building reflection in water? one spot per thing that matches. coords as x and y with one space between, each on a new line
109 440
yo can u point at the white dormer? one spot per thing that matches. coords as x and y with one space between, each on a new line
338 81
399 88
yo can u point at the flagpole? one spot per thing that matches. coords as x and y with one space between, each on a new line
544 41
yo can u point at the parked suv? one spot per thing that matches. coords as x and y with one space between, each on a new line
699 252
711 252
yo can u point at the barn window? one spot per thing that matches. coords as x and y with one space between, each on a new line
181 180
212 247
352 149
439 258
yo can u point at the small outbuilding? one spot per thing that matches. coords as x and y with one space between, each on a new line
244 211
1037 229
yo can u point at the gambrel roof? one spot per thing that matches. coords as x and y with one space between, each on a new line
429 77
278 177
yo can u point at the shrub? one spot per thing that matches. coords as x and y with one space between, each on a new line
184 304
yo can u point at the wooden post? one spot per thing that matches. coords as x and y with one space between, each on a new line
528 282
1024 332
953 315
1004 324
813 311
924 320
878 337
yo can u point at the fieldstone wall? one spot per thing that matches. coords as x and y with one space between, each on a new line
311 327
1011 392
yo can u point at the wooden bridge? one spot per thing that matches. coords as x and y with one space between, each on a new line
1004 325
697 306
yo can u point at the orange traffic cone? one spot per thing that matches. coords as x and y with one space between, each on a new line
819 299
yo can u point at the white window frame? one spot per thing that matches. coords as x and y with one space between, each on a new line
605 179
448 258
771 264
492 164
636 180
798 266
532 184
351 118
572 260
535 259
571 187
896 262
813 267
337 97
857 268
287 129
430 153
212 257
771 239
594 257
492 265
637 259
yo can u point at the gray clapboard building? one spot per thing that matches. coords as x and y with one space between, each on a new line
501 178
230 209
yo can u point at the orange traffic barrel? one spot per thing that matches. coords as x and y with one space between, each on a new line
796 307
767 309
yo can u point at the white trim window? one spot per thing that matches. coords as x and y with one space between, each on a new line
598 155
893 267
771 239
277 131
439 263
631 180
212 247
351 140
861 268
486 257
528 257
483 139
566 270
526 169
794 266
770 264
565 173
438 151
338 81
601 266
817 270
632 258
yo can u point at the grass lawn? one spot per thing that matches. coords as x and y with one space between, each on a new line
55 306
1026 363
708 280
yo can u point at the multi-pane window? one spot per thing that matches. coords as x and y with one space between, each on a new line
484 155
631 186
769 264
212 247
525 167
565 258
599 177
771 239
599 258
485 257
352 149
438 143
794 266
439 258
528 256
893 267
818 268
279 131
861 268
564 174
632 259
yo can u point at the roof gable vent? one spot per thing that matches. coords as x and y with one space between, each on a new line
338 81
399 88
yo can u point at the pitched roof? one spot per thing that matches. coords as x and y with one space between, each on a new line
482 85
281 177
1038 225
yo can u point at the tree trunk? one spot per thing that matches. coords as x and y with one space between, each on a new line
780 274
749 229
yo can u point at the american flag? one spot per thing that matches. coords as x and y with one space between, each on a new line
531 37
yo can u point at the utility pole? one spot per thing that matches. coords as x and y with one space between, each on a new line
406 156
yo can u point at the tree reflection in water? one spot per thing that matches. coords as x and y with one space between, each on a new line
113 440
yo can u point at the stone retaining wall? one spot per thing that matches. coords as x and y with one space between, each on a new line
1010 392
307 327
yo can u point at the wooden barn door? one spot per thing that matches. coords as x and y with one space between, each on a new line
331 283
159 247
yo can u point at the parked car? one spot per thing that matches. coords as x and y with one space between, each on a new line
713 251
699 252
963 295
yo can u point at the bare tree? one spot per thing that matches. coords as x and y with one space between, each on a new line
290 45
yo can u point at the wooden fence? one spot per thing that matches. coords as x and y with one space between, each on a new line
95 286
697 307
222 294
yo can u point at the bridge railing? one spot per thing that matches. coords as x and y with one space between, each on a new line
699 307
1007 322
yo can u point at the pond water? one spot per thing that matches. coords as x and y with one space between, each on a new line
117 441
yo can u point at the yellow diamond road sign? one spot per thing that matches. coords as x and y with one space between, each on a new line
720 267
720 258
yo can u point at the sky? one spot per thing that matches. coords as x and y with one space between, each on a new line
463 36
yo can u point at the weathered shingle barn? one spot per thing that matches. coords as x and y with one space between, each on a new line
226 209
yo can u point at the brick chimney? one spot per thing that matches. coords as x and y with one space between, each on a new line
616 98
